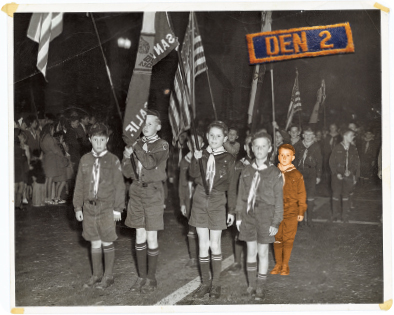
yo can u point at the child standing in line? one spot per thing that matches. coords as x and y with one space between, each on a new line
208 213
38 178
294 207
145 209
231 145
100 192
239 246
345 172
294 133
185 191
259 211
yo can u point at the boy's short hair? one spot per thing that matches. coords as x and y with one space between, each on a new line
98 129
218 124
233 128
287 147
295 126
153 112
346 131
262 134
308 128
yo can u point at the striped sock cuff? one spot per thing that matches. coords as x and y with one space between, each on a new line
251 266
217 257
191 235
96 250
262 277
141 246
109 248
153 251
204 259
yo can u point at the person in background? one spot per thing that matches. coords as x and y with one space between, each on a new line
231 145
32 136
368 154
71 139
345 172
60 180
82 132
330 140
21 163
42 121
38 178
294 133
308 160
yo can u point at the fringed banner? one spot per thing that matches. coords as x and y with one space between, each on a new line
299 43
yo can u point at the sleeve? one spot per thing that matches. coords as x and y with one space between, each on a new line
357 163
333 162
78 190
194 169
127 168
301 196
150 160
120 188
232 188
232 149
319 162
278 193
241 204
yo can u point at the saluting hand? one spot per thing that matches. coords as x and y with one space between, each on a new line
198 154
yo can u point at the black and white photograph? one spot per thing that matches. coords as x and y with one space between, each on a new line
207 158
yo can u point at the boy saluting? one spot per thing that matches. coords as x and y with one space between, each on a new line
259 211
100 191
294 203
145 209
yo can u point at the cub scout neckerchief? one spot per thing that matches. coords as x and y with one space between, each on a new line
211 168
285 169
146 140
305 152
255 184
96 170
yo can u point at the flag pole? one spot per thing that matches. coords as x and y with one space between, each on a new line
189 106
106 66
209 81
134 166
273 108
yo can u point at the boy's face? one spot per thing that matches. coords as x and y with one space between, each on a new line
285 157
279 138
92 120
349 137
74 124
232 135
189 144
369 135
352 127
261 147
99 143
85 120
216 137
294 132
151 126
333 128
308 136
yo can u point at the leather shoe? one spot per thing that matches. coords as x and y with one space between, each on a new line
277 270
285 270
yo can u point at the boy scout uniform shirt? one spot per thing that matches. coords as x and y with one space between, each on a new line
270 190
338 161
153 161
111 188
224 179
313 161
294 193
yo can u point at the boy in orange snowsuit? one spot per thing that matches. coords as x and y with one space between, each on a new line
294 207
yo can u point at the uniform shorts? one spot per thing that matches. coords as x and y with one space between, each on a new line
256 224
208 211
145 208
98 222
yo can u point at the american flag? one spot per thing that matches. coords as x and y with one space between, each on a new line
43 28
295 103
179 113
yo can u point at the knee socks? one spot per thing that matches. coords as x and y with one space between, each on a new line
204 268
97 261
261 280
251 268
238 247
153 255
109 259
192 240
216 268
141 259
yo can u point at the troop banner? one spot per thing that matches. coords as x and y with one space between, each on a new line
300 42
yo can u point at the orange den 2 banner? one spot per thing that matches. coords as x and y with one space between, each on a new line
300 42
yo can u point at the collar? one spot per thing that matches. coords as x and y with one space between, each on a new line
287 168
150 139
298 139
100 154
217 151
307 145
346 148
263 166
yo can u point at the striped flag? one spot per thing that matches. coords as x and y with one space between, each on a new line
179 113
321 97
295 103
43 28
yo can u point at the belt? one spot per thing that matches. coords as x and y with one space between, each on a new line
93 202
144 185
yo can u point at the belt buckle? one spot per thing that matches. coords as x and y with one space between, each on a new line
93 202
144 185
